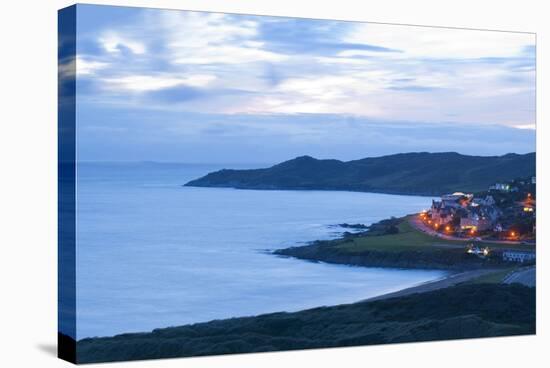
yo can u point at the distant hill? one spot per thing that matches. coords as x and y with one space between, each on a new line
419 173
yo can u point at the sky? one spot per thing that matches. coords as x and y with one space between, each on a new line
181 86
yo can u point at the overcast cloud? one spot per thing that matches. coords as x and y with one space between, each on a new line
191 86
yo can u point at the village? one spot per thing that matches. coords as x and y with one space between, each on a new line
504 214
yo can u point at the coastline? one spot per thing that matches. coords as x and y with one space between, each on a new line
462 304
392 243
302 189
460 311
452 279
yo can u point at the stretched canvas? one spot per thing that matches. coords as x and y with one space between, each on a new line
240 183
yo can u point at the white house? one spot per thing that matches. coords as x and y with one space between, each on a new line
518 256
501 187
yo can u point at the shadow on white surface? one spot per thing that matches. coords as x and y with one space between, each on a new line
50 349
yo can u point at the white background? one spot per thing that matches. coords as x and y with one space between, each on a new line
28 190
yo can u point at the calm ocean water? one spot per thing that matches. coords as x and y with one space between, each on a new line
153 254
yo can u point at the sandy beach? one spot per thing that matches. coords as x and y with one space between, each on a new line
451 280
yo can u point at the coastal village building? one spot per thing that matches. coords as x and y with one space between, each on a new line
529 205
487 201
475 214
462 213
479 218
518 256
503 187
443 211
440 214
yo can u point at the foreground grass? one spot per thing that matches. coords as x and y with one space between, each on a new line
465 311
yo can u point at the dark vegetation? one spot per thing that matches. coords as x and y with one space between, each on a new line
453 259
66 347
407 173
353 226
384 227
464 311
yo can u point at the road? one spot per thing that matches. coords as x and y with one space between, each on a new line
525 276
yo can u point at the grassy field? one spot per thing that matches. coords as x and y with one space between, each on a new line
410 239
407 239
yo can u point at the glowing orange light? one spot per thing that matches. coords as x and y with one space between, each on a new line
447 228
513 233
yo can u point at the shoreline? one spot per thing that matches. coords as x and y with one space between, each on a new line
395 243
465 310
422 287
455 278
300 189
452 279
459 306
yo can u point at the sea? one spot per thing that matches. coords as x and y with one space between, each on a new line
152 253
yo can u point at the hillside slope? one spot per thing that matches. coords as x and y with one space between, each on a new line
406 173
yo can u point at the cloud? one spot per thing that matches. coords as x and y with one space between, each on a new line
183 61
114 43
176 94
311 37
318 94
413 88
227 55
142 134
67 68
526 126
213 38
85 67
144 83
431 42
80 66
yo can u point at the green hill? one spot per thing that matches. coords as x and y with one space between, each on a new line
405 173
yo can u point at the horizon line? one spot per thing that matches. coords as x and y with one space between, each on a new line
294 157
